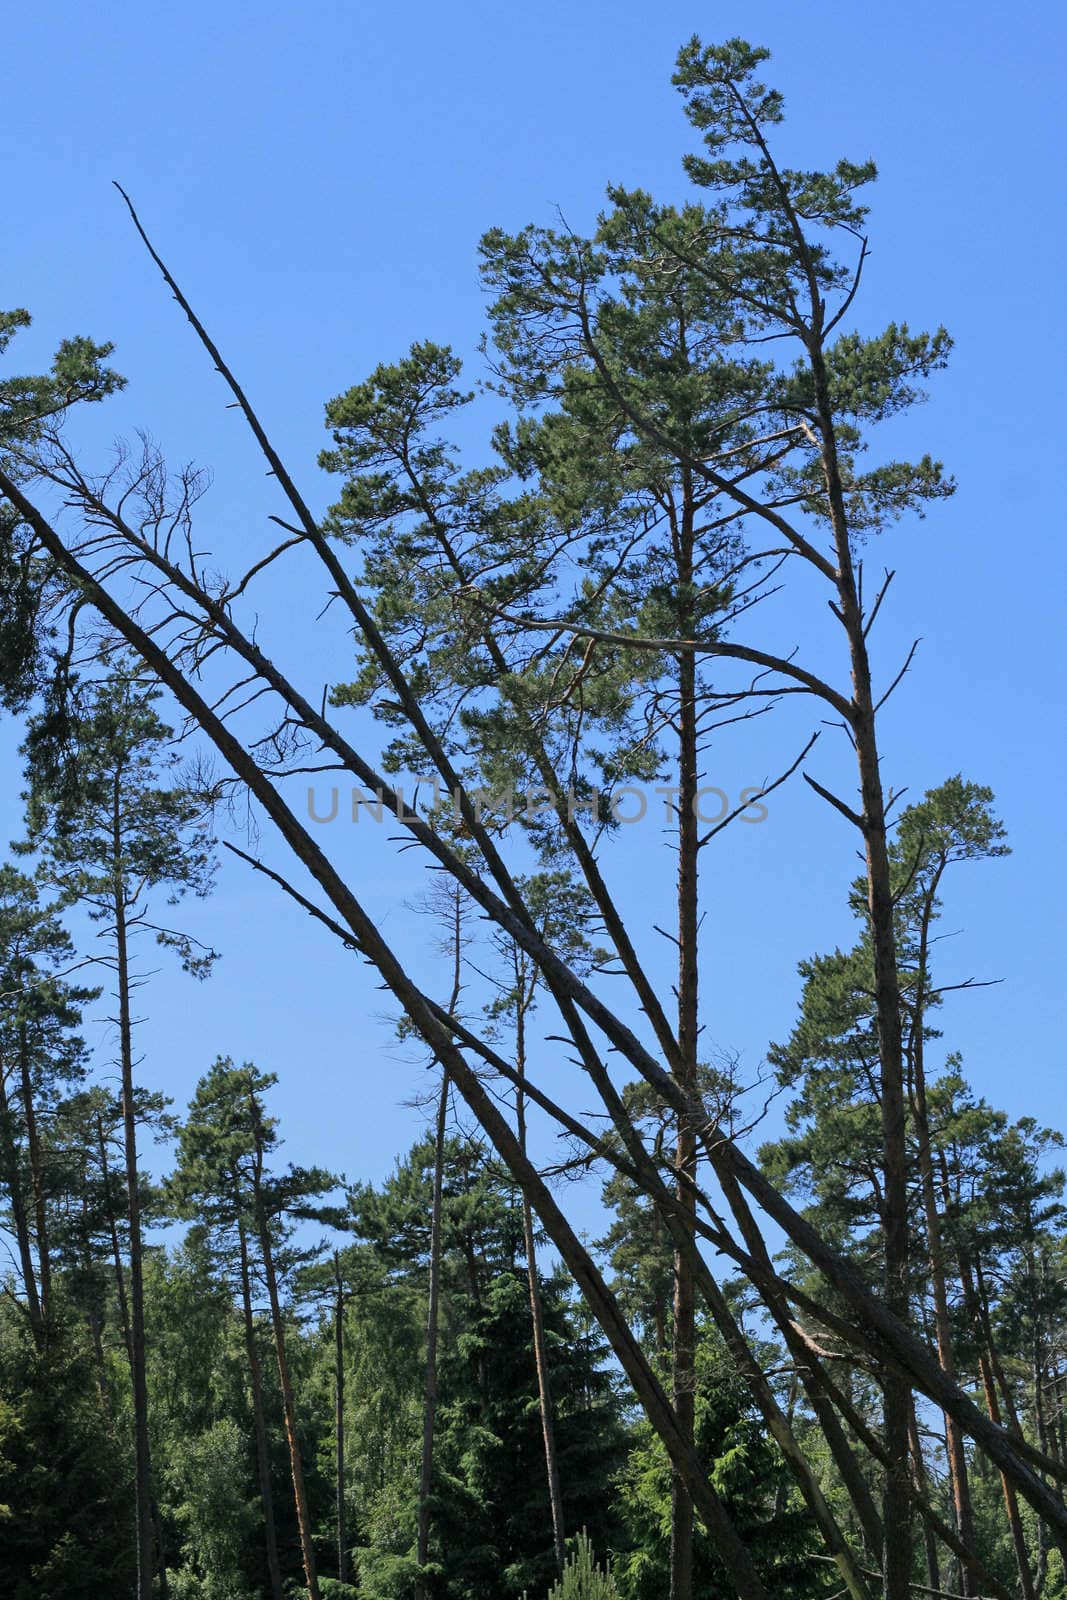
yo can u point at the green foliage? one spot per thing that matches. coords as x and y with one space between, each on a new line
213 1505
30 407
832 1151
65 1505
385 1576
583 1578
110 811
749 1475
491 1521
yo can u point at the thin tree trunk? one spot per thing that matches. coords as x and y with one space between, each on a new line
116 1249
602 1303
339 1419
848 1467
954 1447
296 1464
429 1412
259 1426
853 1479
684 1345
142 1458
161 1551
896 1390
433 1308
544 1387
1011 1501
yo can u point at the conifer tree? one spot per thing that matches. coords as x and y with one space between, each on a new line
116 830
223 1152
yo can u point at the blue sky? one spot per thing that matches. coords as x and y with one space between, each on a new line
318 177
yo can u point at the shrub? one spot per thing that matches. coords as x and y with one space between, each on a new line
582 1578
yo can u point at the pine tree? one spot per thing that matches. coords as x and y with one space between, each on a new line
223 1152
116 828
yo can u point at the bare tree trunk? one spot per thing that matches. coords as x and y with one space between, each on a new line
339 1418
684 1345
896 1390
116 1249
296 1463
954 1448
429 1412
433 1308
544 1387
142 1458
1011 1501
266 1494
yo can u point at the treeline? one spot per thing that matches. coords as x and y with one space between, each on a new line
298 1381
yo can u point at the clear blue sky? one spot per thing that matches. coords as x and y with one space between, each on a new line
318 177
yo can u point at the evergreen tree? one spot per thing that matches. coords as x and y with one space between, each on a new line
223 1151
492 1515
41 1058
115 827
